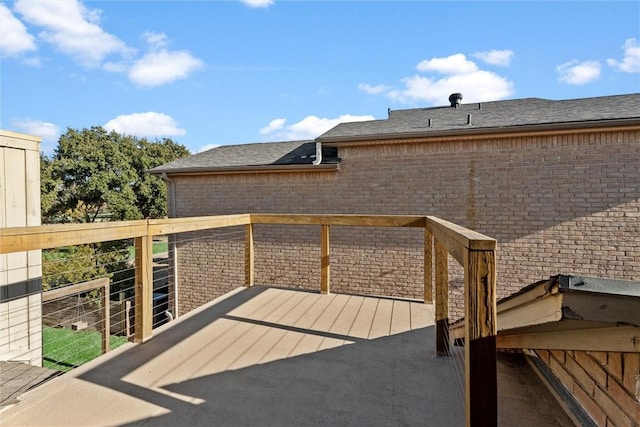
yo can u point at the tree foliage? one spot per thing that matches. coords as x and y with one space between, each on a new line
48 184
76 264
96 175
150 190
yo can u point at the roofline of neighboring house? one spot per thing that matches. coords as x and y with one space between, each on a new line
226 170
546 127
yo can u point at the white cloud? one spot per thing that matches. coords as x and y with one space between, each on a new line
444 76
163 66
45 130
115 67
631 61
274 125
310 127
478 86
495 57
14 37
73 29
373 90
32 62
258 3
207 147
454 64
155 40
149 124
578 73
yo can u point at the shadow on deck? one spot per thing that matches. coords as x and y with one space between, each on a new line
273 357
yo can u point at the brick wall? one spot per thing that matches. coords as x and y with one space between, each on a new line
605 384
210 264
557 204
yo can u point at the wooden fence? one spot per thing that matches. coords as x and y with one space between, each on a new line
105 318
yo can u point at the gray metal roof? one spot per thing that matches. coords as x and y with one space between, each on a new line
257 154
495 115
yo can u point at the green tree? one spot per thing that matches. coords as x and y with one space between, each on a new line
149 189
48 184
95 174
93 171
99 175
73 264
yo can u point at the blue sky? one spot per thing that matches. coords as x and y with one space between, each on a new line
208 73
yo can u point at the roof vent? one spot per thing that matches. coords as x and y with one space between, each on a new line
455 99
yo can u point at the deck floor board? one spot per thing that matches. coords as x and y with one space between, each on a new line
264 356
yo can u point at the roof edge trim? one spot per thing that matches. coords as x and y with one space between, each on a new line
247 169
479 132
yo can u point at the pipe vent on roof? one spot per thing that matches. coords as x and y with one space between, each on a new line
455 99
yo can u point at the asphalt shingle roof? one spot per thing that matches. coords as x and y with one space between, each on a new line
470 117
257 154
491 115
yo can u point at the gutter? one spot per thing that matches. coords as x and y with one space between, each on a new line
430 133
318 159
171 207
247 169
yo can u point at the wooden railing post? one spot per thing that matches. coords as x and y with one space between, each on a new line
248 256
442 300
144 288
325 276
428 266
480 337
106 318
127 318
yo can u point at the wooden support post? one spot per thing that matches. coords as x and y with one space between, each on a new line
106 318
325 276
127 317
428 266
249 270
480 338
442 300
144 288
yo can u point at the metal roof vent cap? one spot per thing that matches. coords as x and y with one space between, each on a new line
455 99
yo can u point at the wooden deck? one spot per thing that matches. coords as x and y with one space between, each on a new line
16 378
269 357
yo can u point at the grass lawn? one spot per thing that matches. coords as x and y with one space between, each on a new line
158 248
62 253
65 349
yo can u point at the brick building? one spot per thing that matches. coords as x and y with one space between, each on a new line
555 182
